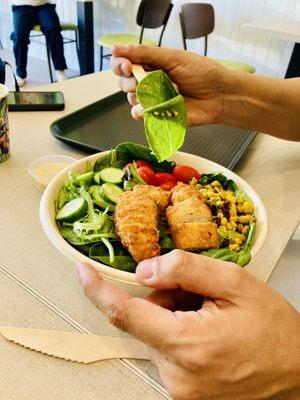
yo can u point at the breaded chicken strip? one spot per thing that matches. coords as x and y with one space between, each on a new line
182 191
136 222
190 219
160 196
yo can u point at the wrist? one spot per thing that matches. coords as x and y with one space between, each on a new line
240 101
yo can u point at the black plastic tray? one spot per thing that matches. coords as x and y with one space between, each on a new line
108 122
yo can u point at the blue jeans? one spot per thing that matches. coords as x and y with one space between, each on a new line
24 18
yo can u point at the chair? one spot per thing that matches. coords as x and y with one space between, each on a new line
198 20
65 26
152 14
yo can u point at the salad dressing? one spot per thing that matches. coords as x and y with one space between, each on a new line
46 172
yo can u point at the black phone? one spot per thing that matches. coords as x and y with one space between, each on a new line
35 101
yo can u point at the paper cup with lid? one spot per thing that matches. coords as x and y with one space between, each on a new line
4 131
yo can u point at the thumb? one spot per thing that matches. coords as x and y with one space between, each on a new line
193 273
163 58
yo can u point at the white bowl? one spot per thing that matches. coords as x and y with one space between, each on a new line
124 279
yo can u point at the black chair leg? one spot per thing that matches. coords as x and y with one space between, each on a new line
101 58
77 49
49 63
205 46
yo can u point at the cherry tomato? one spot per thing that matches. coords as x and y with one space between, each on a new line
167 185
184 173
163 177
148 175
142 163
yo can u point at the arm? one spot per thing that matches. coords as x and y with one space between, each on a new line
264 104
213 94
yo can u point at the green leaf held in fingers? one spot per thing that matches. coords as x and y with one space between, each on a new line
164 114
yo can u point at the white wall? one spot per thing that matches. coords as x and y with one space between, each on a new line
269 56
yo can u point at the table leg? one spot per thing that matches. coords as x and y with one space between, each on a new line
85 36
293 70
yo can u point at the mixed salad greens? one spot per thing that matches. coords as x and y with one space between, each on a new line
85 206
164 114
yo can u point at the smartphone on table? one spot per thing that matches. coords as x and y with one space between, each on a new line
35 101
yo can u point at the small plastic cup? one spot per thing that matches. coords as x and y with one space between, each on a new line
44 169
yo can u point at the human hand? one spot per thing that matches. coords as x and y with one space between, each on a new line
200 80
242 343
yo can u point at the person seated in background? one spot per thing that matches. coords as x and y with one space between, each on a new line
26 14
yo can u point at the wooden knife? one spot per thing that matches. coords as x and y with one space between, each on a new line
79 347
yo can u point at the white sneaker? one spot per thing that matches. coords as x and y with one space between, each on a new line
61 75
21 81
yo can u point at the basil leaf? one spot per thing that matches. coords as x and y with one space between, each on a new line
122 259
164 114
129 152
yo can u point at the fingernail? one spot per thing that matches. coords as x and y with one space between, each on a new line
146 269
124 69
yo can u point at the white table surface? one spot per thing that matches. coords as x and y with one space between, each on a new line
37 269
280 28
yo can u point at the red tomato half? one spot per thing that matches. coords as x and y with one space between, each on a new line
167 185
148 175
142 163
184 173
163 177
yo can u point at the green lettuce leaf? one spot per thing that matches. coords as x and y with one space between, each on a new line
164 114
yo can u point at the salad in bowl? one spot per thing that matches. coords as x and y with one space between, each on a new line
119 207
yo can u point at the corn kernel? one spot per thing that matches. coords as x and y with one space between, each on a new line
219 202
240 228
240 209
229 226
215 183
240 200
220 215
234 218
233 224
217 189
193 181
232 210
248 207
224 221
234 247
245 229
238 241
210 193
245 219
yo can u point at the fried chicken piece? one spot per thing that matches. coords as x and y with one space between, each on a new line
182 191
194 235
160 196
190 220
136 222
190 210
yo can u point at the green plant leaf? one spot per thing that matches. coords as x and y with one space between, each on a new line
164 114
128 152
122 259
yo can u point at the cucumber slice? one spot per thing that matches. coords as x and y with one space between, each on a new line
97 178
98 199
73 210
110 192
111 175
86 177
